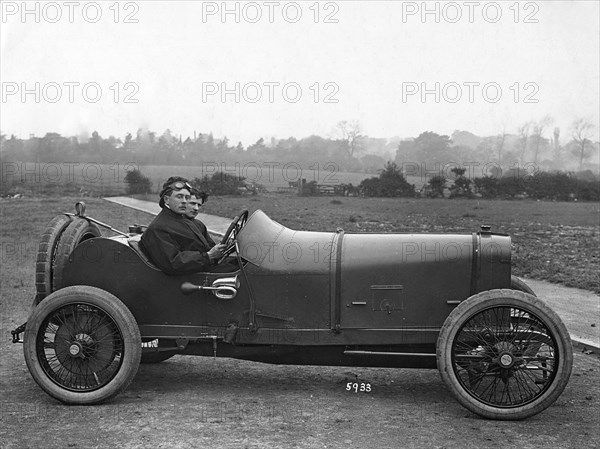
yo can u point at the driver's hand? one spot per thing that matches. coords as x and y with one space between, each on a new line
216 252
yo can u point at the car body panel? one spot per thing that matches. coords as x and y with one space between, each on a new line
152 296
301 288
393 280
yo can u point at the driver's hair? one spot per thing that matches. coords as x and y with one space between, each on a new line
198 194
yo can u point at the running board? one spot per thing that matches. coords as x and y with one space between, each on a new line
395 354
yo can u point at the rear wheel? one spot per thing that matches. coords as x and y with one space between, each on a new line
79 230
504 354
82 345
46 254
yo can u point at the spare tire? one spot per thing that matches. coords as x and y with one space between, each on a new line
79 230
46 254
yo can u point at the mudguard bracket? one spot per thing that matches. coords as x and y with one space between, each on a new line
16 333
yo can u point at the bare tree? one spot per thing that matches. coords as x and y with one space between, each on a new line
538 130
523 133
350 132
501 139
556 147
582 130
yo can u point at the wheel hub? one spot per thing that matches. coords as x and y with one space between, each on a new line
75 349
81 345
506 360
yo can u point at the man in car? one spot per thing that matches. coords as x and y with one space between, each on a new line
175 243
197 200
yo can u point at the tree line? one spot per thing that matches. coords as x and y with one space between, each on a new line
517 184
352 151
391 182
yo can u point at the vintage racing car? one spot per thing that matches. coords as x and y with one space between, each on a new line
296 297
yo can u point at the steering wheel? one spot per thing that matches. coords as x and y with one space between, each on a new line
231 234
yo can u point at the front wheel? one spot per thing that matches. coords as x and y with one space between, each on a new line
82 345
504 354
518 284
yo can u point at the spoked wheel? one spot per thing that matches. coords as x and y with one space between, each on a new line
504 354
82 345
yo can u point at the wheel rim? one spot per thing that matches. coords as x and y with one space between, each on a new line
80 347
505 356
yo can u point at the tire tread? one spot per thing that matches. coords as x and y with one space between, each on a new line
499 297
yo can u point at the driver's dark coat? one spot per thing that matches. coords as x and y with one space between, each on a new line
177 244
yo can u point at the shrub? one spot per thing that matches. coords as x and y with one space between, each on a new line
487 187
220 184
557 186
309 189
462 184
436 187
549 186
511 186
587 190
390 183
137 182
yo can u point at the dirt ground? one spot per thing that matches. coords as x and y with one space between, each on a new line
192 402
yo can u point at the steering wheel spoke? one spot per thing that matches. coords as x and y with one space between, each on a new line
231 234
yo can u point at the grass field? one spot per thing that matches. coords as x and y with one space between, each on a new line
558 242
97 180
270 176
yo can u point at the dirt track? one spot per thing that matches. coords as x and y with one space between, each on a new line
219 403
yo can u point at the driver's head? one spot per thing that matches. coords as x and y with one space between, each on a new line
175 194
197 199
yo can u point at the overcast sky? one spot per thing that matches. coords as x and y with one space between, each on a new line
296 69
